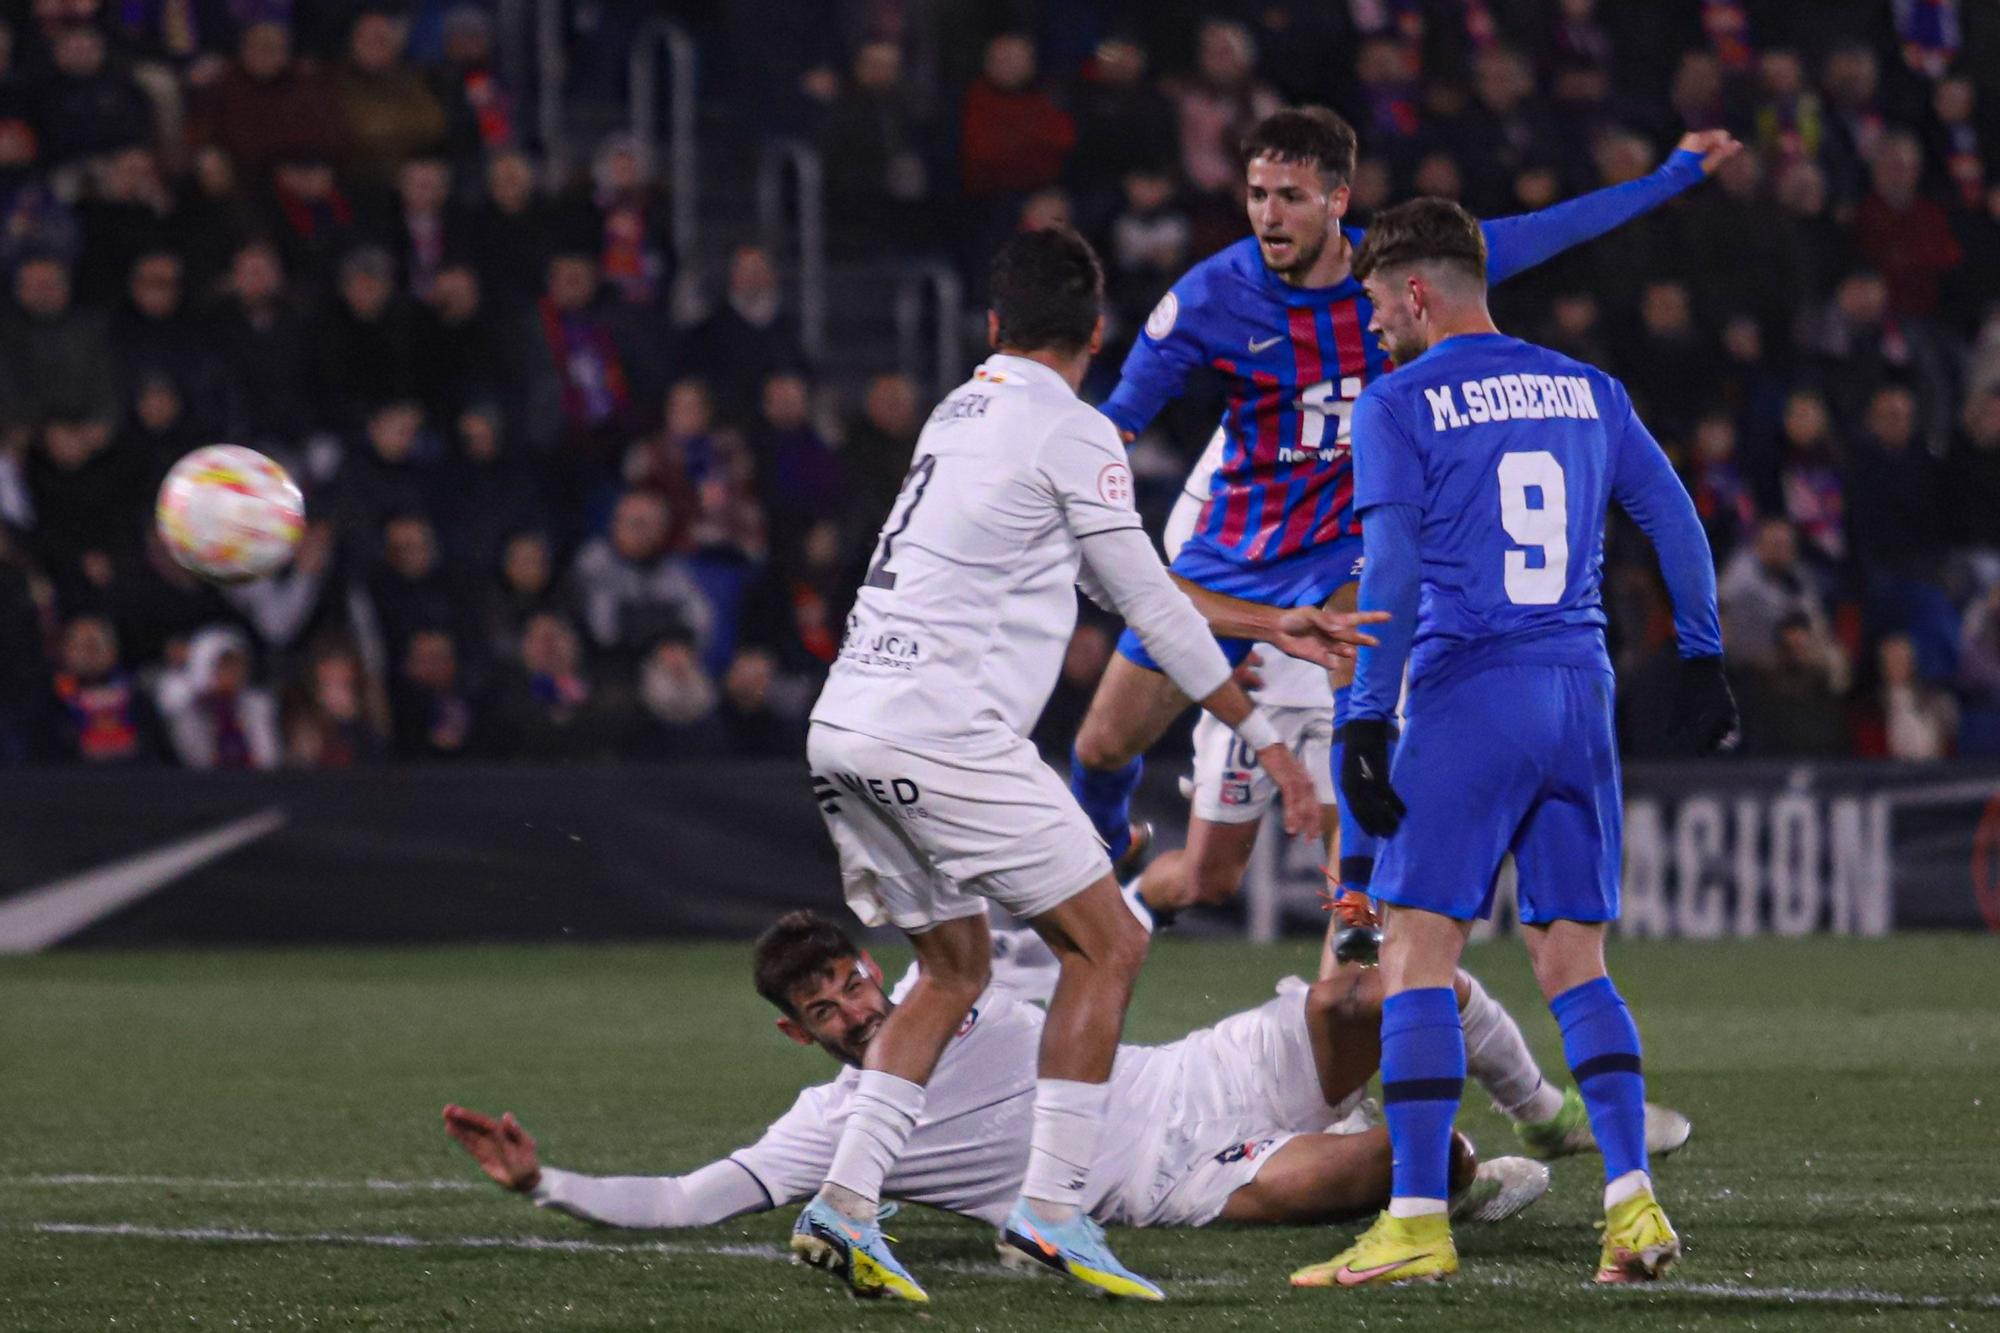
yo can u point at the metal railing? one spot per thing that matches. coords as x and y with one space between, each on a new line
809 222
683 169
947 301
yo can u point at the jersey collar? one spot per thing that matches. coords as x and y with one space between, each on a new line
1001 368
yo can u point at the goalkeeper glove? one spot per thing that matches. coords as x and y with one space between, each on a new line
1364 776
1705 708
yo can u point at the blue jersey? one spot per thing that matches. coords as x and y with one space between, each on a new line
1295 360
1506 455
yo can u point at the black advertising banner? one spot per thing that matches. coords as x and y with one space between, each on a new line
439 854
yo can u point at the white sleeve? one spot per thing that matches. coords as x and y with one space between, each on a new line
791 1160
1193 497
1122 571
715 1193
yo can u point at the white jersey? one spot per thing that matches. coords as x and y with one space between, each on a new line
1289 682
959 630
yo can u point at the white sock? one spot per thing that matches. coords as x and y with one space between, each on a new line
1416 1207
1627 1185
1068 1116
1496 1056
885 1111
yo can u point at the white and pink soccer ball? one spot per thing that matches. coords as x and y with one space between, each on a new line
230 514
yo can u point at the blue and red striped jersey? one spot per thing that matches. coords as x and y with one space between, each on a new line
1295 359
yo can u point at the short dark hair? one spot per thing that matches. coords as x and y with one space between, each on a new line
1310 134
1048 290
1424 231
798 947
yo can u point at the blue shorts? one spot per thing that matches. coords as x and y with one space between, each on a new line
1520 758
1307 578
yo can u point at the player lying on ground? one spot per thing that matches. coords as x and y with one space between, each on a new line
935 799
1483 468
1280 316
1224 1125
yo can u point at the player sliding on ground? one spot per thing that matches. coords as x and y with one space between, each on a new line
1483 467
935 799
1224 1125
1279 316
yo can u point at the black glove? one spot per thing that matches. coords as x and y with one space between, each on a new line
1705 710
1364 777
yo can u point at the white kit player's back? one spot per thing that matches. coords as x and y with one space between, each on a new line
959 629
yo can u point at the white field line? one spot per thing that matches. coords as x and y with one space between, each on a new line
205 1183
1723 1291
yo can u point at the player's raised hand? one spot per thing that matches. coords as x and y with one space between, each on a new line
1364 777
1323 637
1715 147
1295 789
504 1150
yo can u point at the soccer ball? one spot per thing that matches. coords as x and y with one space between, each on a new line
230 514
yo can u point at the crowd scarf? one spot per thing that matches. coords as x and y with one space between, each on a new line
1795 129
593 380
1728 27
558 694
307 217
1719 491
1930 33
492 109
628 264
104 716
232 744
426 233
810 619
1392 108
1962 160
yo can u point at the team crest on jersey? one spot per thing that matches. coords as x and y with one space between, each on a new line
1244 1152
1235 787
1161 322
965 1027
1114 484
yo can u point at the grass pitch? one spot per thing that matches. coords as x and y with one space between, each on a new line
251 1141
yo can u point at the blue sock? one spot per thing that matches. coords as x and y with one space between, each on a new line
1423 1075
1107 799
1357 845
1601 1043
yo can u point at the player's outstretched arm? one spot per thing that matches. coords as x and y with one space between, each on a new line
506 1153
1645 486
1516 244
1307 632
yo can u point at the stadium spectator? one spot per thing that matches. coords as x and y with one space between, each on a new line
705 474
876 454
636 251
1901 232
221 720
551 707
1219 106
1762 587
1503 130
127 211
1897 503
799 475
214 219
391 467
480 112
525 587
367 347
157 338
412 593
632 587
1974 472
874 140
1124 125
1789 118
266 107
1013 137
470 352
487 491
1722 495
97 713
1905 717
1792 708
512 232
1667 359
763 714
1979 650
306 598
435 716
336 714
38 221
1152 239
261 339
748 338
314 219
425 232
1812 489
387 112
677 704
89 104
77 480
58 356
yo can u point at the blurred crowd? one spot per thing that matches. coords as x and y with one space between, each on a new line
563 507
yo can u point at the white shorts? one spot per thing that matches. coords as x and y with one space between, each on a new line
929 838
1247 1086
1231 787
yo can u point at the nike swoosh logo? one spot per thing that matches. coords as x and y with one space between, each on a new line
1354 1277
1258 345
50 913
